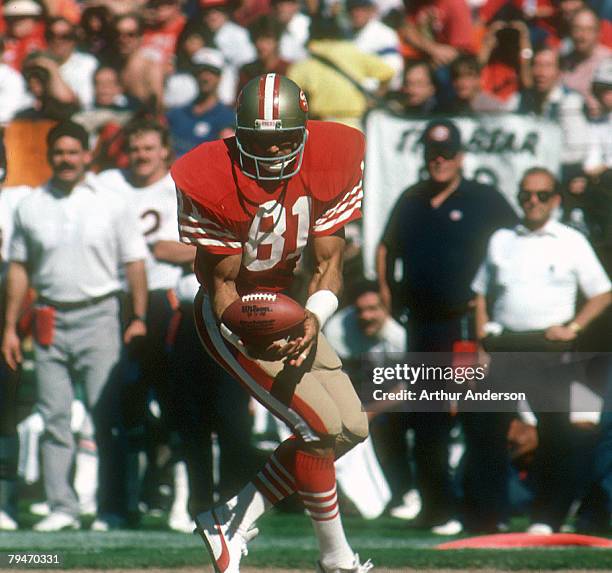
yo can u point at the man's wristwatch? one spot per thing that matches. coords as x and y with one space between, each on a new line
141 317
574 327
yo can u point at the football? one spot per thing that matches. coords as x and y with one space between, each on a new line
260 318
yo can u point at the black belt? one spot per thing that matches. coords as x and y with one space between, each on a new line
77 304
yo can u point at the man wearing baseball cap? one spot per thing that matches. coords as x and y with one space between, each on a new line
438 231
206 118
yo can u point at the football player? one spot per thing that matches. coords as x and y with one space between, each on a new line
251 203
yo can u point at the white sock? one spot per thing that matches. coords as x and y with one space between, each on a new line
247 507
327 523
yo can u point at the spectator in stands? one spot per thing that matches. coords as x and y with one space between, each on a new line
599 155
78 336
417 95
96 26
578 66
141 71
109 93
265 35
448 219
13 94
439 29
505 59
164 22
24 31
469 97
206 119
567 9
76 68
52 97
550 99
296 26
229 38
335 74
530 279
373 37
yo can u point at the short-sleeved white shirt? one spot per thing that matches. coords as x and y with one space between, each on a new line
156 207
78 72
74 244
533 277
10 197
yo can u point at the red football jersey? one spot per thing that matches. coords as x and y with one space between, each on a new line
225 212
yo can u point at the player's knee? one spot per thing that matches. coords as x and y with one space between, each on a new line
333 428
353 433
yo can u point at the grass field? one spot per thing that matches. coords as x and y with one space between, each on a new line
286 541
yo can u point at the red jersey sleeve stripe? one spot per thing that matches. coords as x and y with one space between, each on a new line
342 217
341 205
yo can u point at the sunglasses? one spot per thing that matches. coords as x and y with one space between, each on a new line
543 196
432 154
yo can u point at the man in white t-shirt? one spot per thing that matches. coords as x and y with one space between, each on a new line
69 241
530 280
148 187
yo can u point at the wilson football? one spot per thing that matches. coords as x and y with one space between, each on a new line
261 318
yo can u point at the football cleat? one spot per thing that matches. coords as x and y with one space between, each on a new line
225 546
356 567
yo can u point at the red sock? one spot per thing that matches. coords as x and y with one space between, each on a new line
315 479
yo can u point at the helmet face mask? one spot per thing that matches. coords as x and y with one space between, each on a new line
257 162
271 128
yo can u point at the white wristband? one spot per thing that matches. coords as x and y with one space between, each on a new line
322 304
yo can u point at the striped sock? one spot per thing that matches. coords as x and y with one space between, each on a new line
270 486
315 477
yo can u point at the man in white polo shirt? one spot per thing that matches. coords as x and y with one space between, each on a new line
530 280
69 241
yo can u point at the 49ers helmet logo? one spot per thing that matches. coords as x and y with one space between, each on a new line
303 102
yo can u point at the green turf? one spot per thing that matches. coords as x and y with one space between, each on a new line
286 540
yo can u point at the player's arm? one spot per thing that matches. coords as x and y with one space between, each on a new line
323 290
17 283
219 274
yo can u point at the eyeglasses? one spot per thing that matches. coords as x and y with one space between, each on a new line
543 196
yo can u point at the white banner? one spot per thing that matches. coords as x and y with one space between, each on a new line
498 150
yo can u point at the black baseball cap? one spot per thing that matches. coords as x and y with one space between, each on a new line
441 135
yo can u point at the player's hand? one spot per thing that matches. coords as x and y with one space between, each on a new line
306 343
278 350
560 333
135 329
11 349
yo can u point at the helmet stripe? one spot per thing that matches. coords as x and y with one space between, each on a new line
261 96
269 97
